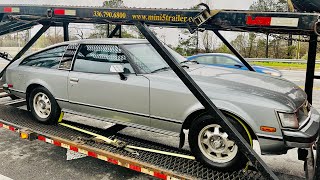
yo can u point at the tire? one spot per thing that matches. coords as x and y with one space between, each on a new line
43 106
222 154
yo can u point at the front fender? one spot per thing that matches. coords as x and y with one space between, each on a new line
228 107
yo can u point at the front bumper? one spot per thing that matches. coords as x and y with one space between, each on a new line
306 136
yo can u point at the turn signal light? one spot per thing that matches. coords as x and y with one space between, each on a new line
268 129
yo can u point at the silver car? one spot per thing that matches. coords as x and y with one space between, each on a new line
126 81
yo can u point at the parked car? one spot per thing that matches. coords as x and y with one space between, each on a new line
230 61
126 81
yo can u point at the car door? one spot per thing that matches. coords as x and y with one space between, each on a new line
94 89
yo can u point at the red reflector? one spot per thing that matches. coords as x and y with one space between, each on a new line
12 128
57 143
136 168
10 85
7 9
73 148
113 161
59 11
1 125
261 21
41 138
160 175
92 154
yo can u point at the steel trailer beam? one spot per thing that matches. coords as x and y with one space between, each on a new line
27 46
65 31
206 102
311 66
114 31
234 51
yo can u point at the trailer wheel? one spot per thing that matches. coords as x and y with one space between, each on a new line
43 106
211 145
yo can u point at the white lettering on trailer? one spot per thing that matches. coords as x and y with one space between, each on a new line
287 22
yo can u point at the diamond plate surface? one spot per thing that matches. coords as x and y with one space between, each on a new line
192 168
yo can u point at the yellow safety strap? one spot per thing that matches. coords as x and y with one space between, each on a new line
215 12
290 5
247 131
61 117
110 141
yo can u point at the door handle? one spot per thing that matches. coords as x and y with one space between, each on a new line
74 80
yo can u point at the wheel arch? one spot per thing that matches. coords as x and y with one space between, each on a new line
190 118
28 91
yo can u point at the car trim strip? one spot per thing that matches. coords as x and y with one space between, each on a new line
139 126
266 136
122 111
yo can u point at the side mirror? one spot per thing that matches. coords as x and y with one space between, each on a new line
118 69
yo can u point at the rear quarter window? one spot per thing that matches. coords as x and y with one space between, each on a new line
47 59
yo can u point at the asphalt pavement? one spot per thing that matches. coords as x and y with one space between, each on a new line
22 159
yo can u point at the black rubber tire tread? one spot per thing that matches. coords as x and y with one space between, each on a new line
239 162
55 109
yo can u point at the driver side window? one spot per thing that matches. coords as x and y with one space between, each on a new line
223 60
206 59
99 58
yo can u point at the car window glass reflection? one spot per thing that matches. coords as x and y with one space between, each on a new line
47 59
99 58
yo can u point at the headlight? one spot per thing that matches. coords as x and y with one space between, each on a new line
289 120
272 73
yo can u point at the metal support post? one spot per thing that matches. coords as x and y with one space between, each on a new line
311 66
206 102
65 31
233 50
120 32
114 31
27 46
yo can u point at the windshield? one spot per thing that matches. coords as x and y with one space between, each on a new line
147 59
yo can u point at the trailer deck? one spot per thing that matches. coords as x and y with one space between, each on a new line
157 165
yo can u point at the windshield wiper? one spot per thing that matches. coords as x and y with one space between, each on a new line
189 61
161 69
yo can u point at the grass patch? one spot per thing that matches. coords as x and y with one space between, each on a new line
282 65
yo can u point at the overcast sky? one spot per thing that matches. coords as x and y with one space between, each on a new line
224 4
169 35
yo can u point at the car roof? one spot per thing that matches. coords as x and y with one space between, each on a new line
117 41
213 54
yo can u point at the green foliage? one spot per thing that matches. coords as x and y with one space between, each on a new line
280 65
113 3
187 43
269 5
223 49
306 56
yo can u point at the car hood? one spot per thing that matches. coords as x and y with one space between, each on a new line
211 78
264 68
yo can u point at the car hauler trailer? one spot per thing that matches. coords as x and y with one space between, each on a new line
16 18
